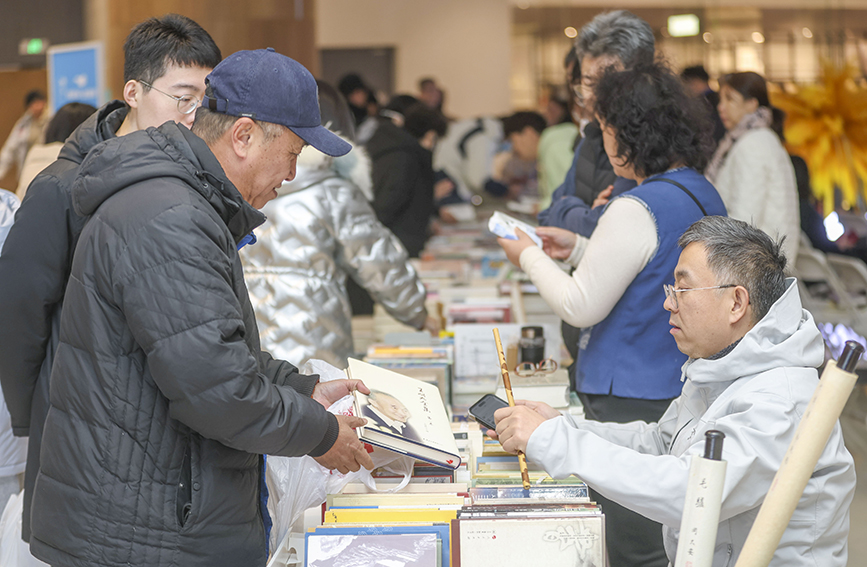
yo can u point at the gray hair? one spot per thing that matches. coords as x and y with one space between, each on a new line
210 126
619 33
740 254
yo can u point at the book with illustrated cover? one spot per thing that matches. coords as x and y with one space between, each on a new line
508 542
338 550
441 531
404 415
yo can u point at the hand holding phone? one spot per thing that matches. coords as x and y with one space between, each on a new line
483 410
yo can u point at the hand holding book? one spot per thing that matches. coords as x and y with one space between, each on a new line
348 453
326 393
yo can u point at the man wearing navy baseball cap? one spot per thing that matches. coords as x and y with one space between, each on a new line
162 402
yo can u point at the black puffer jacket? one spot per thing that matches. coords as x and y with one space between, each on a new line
160 396
403 182
34 268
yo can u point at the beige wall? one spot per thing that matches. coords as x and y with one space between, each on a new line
464 44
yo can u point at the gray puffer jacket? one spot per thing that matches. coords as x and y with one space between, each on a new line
161 400
320 229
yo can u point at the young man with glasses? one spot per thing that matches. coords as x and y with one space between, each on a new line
753 353
172 54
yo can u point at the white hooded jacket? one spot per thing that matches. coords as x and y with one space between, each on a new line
321 228
756 394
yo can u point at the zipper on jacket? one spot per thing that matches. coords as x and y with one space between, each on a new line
185 489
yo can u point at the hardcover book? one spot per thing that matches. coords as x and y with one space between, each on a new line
404 415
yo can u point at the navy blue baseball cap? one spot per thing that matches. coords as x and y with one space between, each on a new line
265 85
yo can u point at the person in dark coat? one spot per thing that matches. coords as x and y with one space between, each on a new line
698 82
403 177
172 54
162 403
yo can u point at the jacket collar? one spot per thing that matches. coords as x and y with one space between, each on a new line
238 214
100 126
168 151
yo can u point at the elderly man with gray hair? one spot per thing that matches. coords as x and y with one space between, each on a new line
619 40
612 40
162 401
753 353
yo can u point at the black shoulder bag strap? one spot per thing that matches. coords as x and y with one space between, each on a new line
685 190
462 145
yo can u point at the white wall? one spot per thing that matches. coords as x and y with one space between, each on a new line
463 44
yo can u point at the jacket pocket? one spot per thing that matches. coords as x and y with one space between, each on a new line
184 501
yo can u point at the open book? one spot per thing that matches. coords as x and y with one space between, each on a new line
404 415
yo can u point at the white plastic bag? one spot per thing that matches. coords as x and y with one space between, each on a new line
14 552
298 483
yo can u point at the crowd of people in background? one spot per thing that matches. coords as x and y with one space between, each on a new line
616 166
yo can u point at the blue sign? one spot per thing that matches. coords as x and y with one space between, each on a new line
76 74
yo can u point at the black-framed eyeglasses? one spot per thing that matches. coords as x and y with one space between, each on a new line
186 103
671 291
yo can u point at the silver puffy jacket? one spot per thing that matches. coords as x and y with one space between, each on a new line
320 229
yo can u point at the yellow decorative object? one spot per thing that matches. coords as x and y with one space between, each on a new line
826 124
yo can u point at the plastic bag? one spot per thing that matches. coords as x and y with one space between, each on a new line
14 552
298 483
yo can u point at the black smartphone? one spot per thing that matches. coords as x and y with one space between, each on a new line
483 410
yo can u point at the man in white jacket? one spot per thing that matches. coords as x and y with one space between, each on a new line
752 370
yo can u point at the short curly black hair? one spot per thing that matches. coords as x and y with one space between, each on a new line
657 124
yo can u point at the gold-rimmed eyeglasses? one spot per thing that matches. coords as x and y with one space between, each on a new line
546 366
671 291
186 103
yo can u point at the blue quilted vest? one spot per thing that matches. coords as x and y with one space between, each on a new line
630 353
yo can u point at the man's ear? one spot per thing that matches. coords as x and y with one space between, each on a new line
242 134
741 305
131 91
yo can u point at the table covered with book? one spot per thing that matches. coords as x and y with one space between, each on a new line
472 509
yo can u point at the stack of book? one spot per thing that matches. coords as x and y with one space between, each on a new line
494 466
407 528
443 273
553 388
553 526
431 364
479 310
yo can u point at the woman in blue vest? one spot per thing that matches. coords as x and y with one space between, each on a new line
628 364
